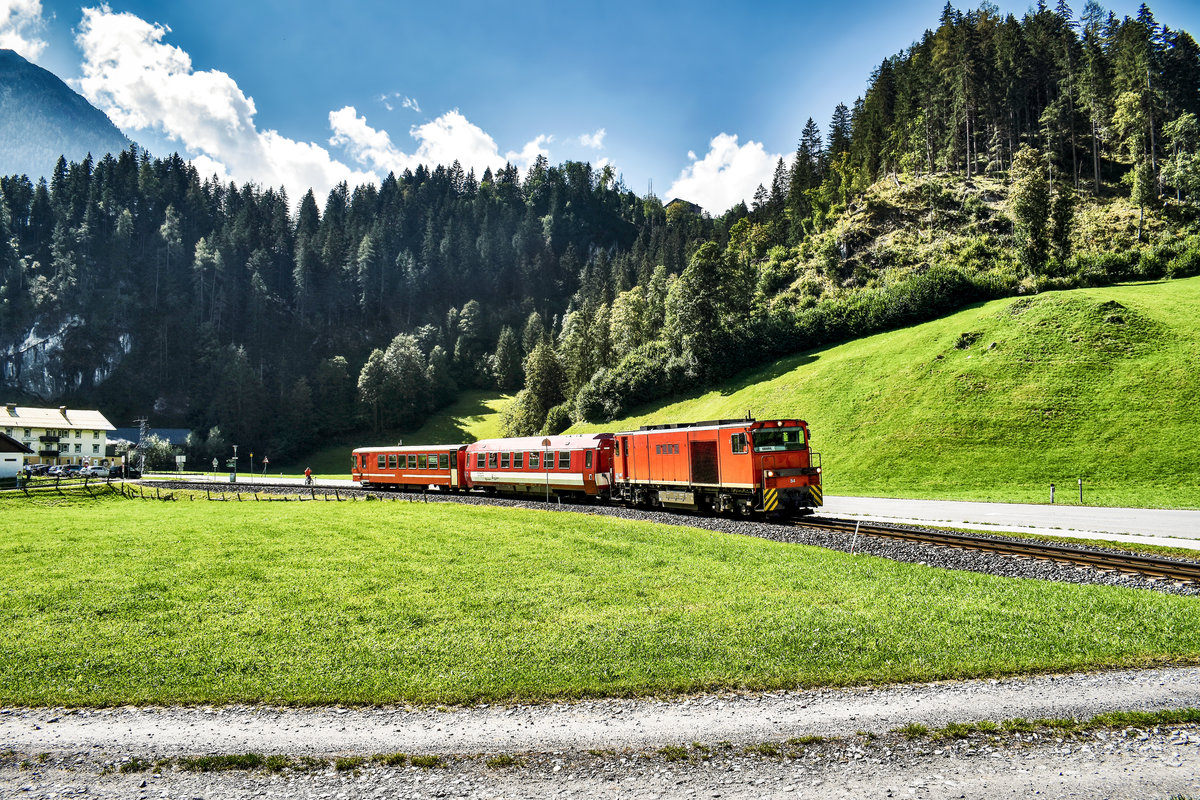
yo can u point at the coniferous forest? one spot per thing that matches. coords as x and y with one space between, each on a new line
993 157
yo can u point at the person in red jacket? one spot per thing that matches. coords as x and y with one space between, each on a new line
307 476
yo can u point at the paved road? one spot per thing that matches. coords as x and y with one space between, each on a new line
1153 526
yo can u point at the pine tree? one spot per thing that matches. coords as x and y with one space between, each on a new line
1030 202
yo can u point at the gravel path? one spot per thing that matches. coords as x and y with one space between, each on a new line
613 748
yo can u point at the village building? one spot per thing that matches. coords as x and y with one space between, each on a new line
12 457
57 435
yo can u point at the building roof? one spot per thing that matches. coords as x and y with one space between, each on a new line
13 415
11 445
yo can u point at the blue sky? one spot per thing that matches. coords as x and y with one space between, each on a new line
307 93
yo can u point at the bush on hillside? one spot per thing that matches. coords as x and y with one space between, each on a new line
558 419
1186 264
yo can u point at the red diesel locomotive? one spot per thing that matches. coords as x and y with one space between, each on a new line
722 466
725 466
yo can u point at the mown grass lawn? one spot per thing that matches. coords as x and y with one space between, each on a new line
997 401
118 601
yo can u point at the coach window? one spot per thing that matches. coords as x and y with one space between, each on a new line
658 449
518 460
738 442
491 460
479 460
587 460
504 461
382 461
564 459
421 461
617 447
444 460
534 460
391 462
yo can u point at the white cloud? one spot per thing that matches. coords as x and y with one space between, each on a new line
20 21
405 102
441 141
593 140
530 151
144 84
728 173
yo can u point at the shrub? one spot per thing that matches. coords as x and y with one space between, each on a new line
558 419
1184 265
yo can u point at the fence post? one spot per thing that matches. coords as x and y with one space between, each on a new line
854 541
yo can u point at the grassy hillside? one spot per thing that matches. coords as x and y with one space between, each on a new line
998 401
111 601
475 415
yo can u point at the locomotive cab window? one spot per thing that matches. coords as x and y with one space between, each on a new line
534 460
737 442
444 461
772 439
564 459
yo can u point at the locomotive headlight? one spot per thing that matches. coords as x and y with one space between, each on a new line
770 473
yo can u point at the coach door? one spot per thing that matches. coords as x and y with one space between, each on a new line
589 471
454 469
623 459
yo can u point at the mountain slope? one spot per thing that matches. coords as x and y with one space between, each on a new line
998 401
41 118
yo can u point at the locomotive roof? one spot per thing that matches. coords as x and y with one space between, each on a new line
745 422
575 441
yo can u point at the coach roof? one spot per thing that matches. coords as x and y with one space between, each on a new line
577 441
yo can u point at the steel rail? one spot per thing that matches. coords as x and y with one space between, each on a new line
1153 566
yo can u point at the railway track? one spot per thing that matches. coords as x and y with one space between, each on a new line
1150 566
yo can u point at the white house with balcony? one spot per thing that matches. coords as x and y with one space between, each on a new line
57 435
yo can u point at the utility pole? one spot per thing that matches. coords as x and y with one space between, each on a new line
140 453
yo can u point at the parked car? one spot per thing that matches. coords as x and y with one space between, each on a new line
38 469
118 471
95 471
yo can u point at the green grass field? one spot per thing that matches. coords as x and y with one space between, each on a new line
115 601
998 401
